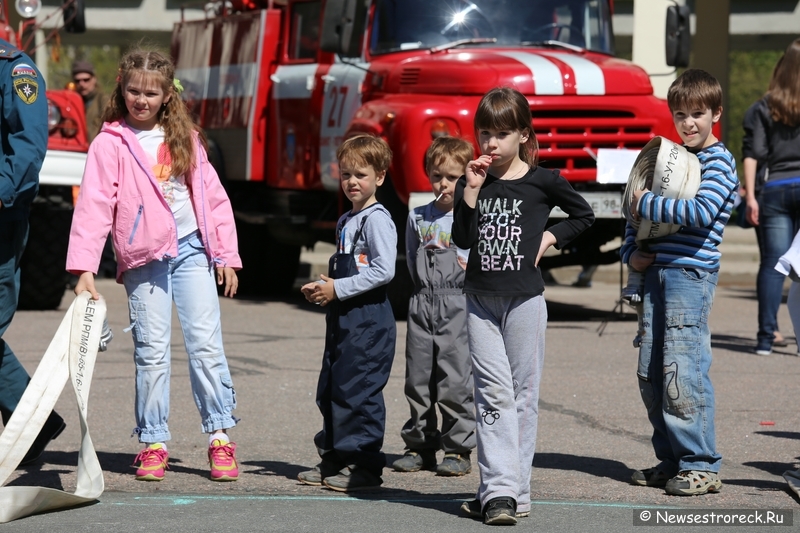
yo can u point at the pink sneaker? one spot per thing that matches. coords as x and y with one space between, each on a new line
151 463
222 457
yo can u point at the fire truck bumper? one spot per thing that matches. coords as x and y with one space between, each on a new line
62 168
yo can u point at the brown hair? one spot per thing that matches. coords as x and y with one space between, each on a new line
444 149
363 150
173 117
504 108
695 89
784 87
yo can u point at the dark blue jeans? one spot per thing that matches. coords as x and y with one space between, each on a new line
779 220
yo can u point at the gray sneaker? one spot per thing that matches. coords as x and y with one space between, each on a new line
650 477
693 483
414 461
353 479
454 464
472 509
317 475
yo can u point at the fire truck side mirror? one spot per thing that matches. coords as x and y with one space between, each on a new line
343 27
74 16
678 36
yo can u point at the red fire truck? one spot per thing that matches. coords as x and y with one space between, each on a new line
43 278
278 85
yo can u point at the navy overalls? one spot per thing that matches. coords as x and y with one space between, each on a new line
360 338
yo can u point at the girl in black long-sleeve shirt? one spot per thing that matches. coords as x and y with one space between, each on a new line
501 210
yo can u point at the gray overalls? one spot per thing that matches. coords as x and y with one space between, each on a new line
438 367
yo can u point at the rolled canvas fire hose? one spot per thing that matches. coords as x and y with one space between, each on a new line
70 356
666 169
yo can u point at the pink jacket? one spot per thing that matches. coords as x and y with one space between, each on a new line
119 193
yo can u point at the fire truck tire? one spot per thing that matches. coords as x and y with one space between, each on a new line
74 16
43 279
269 267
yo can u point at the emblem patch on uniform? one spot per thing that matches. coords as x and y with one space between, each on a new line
27 89
24 70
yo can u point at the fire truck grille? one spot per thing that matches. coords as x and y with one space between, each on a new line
409 76
569 139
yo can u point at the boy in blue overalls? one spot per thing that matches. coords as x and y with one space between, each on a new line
359 328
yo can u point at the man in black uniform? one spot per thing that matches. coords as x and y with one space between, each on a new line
23 144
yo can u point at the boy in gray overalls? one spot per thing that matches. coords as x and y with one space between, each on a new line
438 367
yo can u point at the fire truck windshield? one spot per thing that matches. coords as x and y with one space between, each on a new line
414 24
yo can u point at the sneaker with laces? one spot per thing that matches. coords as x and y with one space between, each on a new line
151 463
316 475
352 479
472 509
454 464
500 511
650 477
414 461
222 458
693 483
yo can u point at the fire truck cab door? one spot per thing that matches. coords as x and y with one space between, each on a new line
341 98
294 133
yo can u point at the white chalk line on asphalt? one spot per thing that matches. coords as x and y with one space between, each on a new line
190 500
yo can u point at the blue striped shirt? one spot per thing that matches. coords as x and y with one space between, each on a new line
703 217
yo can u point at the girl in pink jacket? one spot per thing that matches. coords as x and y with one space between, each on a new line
148 181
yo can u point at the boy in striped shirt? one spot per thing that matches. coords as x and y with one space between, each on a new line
681 273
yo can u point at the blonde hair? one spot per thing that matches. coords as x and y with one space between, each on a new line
363 150
444 149
173 117
504 108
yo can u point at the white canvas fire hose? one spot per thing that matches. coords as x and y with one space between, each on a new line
668 170
70 356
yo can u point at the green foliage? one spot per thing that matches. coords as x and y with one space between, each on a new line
750 72
104 58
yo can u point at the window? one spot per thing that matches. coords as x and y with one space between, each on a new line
304 31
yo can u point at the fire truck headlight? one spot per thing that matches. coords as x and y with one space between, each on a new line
69 128
53 116
443 128
28 8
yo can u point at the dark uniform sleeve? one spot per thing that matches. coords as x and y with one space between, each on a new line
23 128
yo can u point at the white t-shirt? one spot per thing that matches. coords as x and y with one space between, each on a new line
174 189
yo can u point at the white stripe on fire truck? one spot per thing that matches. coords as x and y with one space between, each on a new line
547 77
589 78
221 81
292 81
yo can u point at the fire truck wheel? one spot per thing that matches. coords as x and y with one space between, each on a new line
43 279
269 267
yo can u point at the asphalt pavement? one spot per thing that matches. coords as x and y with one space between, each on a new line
593 428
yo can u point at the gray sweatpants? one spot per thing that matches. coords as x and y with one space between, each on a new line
506 344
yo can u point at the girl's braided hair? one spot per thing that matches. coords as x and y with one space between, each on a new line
173 117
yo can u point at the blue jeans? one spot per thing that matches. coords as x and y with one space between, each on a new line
674 361
779 220
189 280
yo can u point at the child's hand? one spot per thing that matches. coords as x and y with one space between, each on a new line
86 283
637 195
326 292
548 240
308 291
228 276
476 171
640 260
